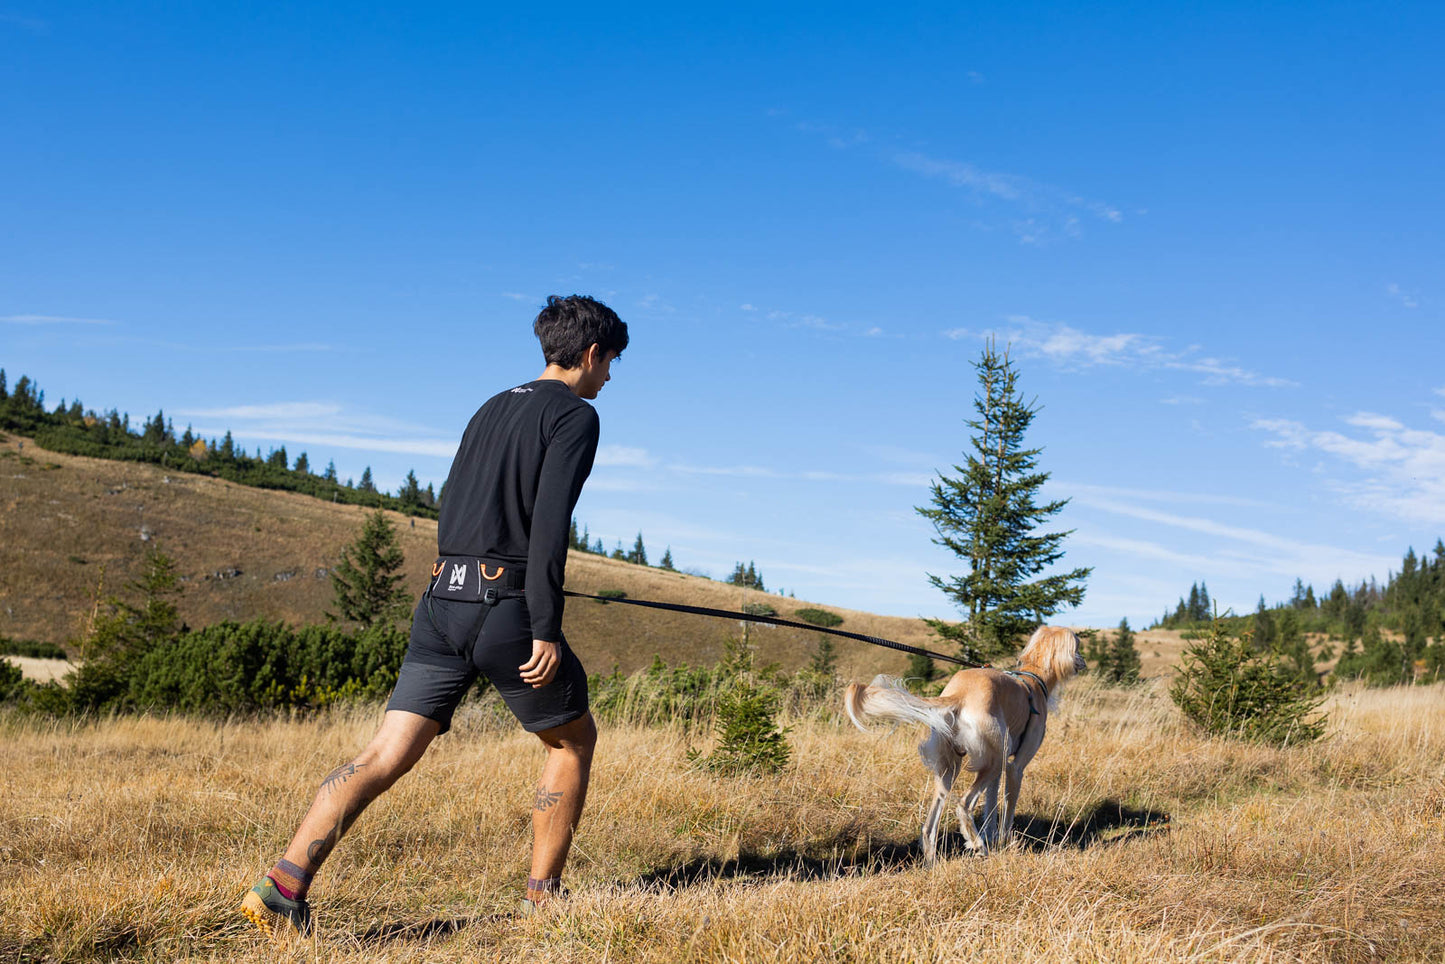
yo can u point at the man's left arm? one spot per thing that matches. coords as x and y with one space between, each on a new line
566 465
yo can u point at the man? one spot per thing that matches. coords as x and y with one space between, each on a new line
493 607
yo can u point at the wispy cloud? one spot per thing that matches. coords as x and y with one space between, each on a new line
622 455
52 320
518 296
1040 213
1051 211
655 302
1083 492
320 424
1402 468
1239 548
1072 347
1403 297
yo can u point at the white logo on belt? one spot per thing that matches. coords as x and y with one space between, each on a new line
459 578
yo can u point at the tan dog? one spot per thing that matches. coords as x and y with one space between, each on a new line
983 716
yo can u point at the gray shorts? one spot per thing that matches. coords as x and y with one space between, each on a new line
452 643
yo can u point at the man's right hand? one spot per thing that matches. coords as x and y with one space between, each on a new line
542 667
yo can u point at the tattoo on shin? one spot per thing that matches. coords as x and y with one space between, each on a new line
340 775
546 799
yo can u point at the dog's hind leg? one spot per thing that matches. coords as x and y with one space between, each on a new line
989 762
944 761
1013 777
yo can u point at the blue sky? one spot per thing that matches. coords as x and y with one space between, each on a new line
1210 234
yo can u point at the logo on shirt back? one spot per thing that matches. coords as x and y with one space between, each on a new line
521 390
458 579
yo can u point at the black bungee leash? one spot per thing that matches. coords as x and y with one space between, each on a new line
777 621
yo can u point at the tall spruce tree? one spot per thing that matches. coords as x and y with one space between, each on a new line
988 517
368 579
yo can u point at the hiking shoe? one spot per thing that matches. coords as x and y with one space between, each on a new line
274 913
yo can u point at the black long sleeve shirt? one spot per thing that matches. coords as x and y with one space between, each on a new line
513 485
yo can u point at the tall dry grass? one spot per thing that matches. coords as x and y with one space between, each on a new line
133 838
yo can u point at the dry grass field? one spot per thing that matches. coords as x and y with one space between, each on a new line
134 838
247 553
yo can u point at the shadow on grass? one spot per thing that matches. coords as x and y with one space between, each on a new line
424 930
1109 822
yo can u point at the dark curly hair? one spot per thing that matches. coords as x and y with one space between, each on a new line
568 326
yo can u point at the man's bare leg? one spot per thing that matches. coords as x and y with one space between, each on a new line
558 804
347 790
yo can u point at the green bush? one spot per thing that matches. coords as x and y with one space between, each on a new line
11 680
1228 689
242 667
31 647
759 609
606 594
749 740
819 617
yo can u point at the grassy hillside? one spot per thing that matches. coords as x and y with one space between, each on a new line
133 839
245 553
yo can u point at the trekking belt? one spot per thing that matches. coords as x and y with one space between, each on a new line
475 580
777 621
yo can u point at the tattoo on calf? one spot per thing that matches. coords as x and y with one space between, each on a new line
546 799
319 850
340 775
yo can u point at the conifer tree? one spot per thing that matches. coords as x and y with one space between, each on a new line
330 474
303 464
666 562
1123 657
410 494
988 517
367 582
367 485
639 552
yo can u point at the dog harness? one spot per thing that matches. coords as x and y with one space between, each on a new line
1033 710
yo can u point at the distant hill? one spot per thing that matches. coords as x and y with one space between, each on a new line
245 553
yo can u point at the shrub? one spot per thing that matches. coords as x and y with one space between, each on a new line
759 609
1228 689
819 617
242 667
749 740
31 647
605 594
11 681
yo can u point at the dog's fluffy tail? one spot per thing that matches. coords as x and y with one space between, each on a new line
887 699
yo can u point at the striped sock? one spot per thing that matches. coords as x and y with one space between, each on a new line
540 890
290 880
